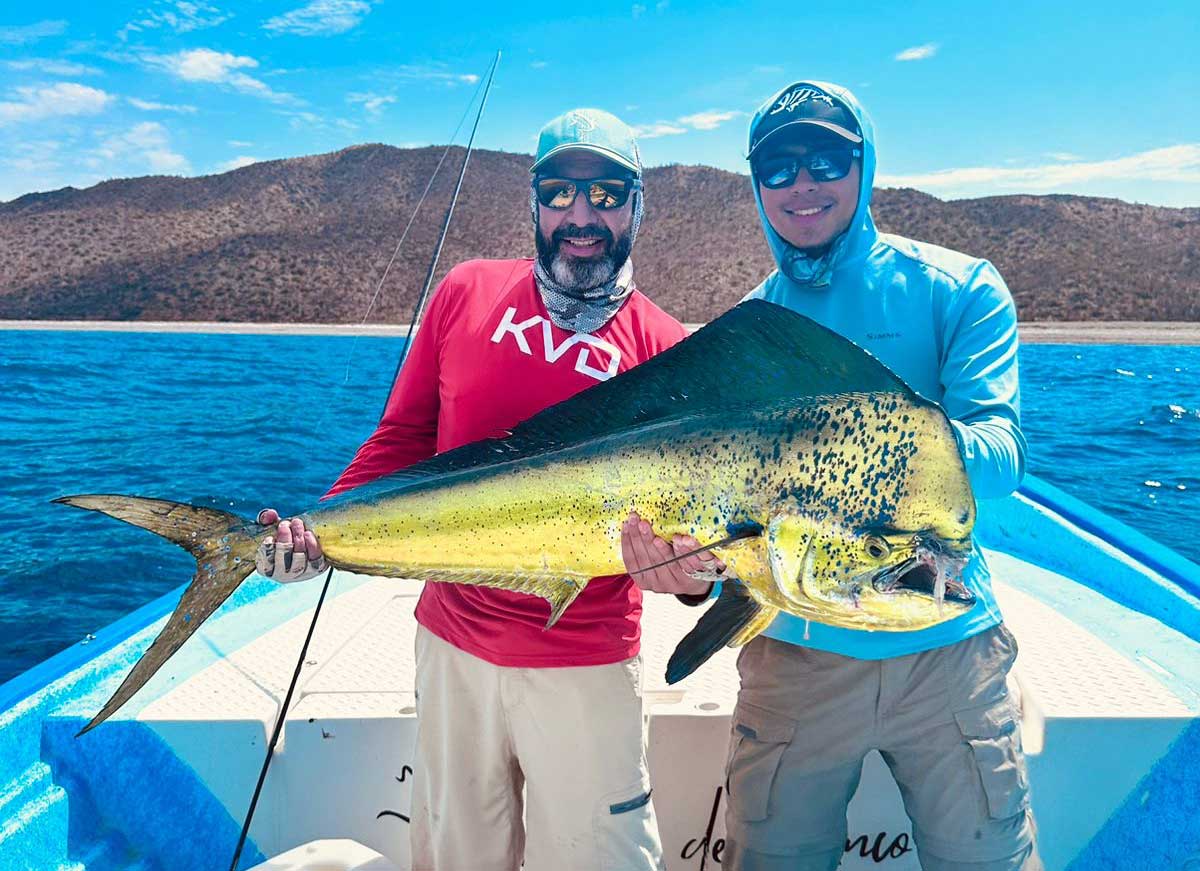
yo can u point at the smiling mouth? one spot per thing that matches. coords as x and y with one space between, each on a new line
582 246
809 211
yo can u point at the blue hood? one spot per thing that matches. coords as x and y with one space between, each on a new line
852 245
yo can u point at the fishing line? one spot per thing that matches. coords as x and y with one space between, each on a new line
283 710
740 535
437 252
287 702
412 218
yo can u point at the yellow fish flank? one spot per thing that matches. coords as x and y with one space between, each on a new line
831 490
551 523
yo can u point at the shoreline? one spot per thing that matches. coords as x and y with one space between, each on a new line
1032 332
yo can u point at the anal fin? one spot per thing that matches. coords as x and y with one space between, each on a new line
560 596
559 591
729 619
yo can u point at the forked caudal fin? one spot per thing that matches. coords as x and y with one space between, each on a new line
223 545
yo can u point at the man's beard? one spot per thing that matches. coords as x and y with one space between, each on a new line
578 274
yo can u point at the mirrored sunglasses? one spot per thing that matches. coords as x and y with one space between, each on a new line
601 193
826 165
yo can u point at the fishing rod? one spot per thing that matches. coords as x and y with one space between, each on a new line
419 308
417 312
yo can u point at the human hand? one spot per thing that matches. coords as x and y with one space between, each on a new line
291 554
641 548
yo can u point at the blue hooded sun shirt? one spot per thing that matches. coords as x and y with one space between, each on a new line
945 323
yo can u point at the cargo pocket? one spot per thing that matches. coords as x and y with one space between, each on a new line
758 741
993 733
625 829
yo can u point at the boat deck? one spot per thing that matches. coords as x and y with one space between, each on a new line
1101 709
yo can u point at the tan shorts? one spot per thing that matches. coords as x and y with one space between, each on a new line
943 722
562 747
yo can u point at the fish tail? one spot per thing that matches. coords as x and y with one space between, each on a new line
224 546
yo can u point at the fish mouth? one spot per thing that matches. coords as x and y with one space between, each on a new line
922 578
920 573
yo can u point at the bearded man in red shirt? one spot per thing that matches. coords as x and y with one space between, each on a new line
513 721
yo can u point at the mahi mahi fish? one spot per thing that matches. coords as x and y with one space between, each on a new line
828 486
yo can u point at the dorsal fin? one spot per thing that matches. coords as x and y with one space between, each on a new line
756 354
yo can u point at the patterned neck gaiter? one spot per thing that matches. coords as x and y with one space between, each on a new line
585 311
811 272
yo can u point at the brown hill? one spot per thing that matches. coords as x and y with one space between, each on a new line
307 239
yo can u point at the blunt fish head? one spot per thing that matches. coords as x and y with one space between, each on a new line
870 578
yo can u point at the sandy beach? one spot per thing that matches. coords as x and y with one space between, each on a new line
1038 333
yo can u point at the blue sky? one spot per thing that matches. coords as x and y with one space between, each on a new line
969 99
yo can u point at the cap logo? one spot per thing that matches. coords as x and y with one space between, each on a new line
582 123
799 96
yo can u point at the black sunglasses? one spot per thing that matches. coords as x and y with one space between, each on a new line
602 193
828 165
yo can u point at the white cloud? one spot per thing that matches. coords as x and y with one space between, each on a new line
64 98
320 18
239 143
373 103
1176 163
26 33
710 120
310 121
1063 155
52 67
217 67
538 64
29 164
206 65
640 9
769 69
181 16
918 52
144 146
237 163
150 106
657 129
435 74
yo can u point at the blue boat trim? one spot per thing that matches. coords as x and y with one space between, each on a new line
1150 553
66 661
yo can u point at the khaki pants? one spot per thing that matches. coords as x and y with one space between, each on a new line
943 722
562 747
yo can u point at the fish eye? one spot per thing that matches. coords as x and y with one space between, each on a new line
877 547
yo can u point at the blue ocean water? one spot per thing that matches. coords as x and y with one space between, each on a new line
241 422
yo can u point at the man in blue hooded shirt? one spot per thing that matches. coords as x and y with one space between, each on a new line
816 699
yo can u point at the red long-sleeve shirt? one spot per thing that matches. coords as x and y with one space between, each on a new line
487 357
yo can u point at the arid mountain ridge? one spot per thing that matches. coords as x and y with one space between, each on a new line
307 239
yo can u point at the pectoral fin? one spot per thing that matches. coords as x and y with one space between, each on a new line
731 618
757 625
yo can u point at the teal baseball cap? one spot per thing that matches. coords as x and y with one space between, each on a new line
591 130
